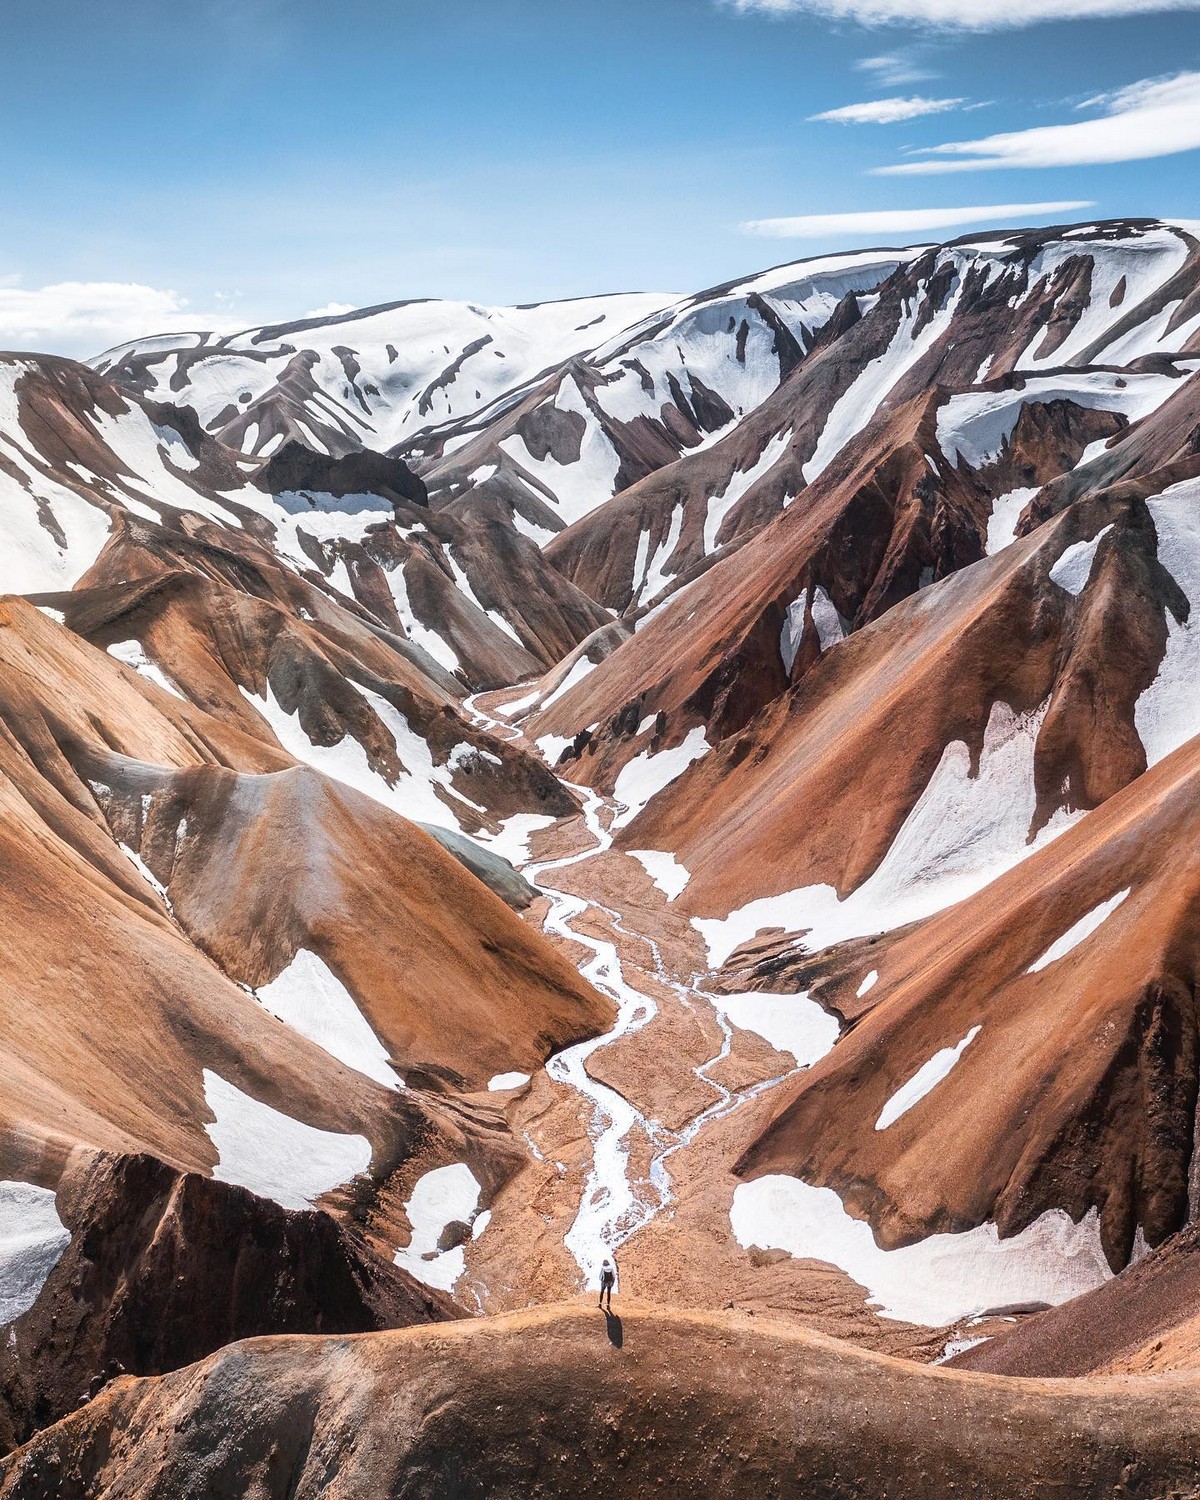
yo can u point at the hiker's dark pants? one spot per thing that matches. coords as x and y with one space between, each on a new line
606 1290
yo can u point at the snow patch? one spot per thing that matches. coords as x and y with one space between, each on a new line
977 426
32 1239
664 870
310 998
739 484
647 775
131 653
1002 523
440 1198
551 746
502 1082
579 670
963 832
938 1280
512 842
790 1023
274 1155
1167 713
1073 569
414 794
859 403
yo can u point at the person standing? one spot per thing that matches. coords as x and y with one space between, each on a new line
608 1280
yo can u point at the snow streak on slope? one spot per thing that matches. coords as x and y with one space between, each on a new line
963 832
1168 713
414 793
924 1080
132 654
309 997
859 404
648 773
1078 932
51 534
739 485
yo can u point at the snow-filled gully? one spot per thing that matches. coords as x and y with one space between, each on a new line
614 1205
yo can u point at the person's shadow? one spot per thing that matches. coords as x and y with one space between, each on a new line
616 1333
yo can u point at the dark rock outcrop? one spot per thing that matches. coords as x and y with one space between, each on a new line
295 467
166 1266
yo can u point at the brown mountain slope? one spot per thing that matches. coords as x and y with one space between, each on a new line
82 463
92 753
869 723
257 867
543 1404
888 517
1078 1087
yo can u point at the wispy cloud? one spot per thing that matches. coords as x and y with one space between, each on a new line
887 111
894 69
82 318
1157 117
906 220
966 15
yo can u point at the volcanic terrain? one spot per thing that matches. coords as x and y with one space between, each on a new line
709 780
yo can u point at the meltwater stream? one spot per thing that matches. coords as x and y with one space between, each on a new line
611 1209
613 1206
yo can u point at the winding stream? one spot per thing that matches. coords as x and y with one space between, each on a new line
614 1206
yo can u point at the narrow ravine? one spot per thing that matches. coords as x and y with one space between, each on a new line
615 1206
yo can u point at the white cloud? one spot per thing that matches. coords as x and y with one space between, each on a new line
1157 117
887 111
905 221
966 15
895 69
82 318
331 310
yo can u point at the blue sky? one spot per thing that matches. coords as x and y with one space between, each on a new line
234 161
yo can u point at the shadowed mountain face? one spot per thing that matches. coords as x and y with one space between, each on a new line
164 1267
709 779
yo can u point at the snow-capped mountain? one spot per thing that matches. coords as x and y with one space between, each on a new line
373 378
